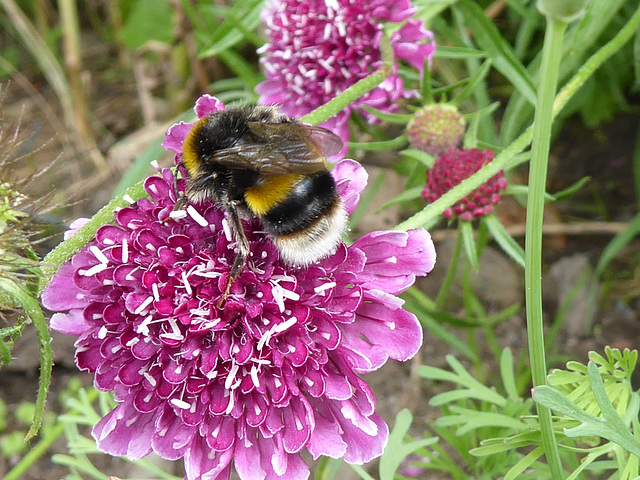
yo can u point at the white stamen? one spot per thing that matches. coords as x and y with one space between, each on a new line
93 270
185 281
231 376
286 325
153 189
178 214
290 295
143 305
199 219
254 376
150 379
324 286
102 333
143 328
227 230
154 164
156 293
127 198
180 403
125 250
98 254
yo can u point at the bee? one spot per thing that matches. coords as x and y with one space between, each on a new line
253 161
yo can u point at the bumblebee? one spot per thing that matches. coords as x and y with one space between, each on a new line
253 161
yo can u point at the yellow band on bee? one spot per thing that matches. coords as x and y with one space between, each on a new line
269 192
191 158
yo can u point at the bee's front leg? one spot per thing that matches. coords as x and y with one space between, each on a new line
244 248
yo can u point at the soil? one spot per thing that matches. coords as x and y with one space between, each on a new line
80 187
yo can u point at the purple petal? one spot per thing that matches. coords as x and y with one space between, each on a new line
62 294
362 448
75 226
247 460
351 179
124 431
392 11
174 138
395 257
72 323
206 105
200 463
414 44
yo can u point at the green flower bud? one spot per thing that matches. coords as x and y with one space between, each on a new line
564 10
436 128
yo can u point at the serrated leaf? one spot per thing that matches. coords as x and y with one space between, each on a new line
396 451
610 426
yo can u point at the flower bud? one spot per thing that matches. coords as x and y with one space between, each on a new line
436 128
564 10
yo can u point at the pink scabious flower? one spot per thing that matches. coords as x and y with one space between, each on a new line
455 166
271 373
319 48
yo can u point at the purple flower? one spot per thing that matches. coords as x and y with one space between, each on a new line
272 372
455 166
319 48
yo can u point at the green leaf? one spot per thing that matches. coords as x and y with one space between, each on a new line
571 189
618 242
610 426
472 388
470 419
239 23
491 41
148 20
397 142
396 451
524 463
398 118
422 157
507 374
409 194
506 241
444 51
474 82
466 230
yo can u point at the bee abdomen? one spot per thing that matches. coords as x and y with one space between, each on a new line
309 223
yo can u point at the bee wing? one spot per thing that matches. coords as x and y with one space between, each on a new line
279 148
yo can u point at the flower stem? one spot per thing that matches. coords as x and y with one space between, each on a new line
32 310
431 213
355 91
551 56
65 250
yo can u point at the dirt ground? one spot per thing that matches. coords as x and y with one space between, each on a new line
570 253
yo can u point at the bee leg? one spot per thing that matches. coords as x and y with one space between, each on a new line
243 247
181 200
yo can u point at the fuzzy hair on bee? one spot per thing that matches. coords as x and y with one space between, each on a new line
253 161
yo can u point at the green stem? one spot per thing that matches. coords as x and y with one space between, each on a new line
551 56
32 310
65 250
355 91
432 212
43 445
451 274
